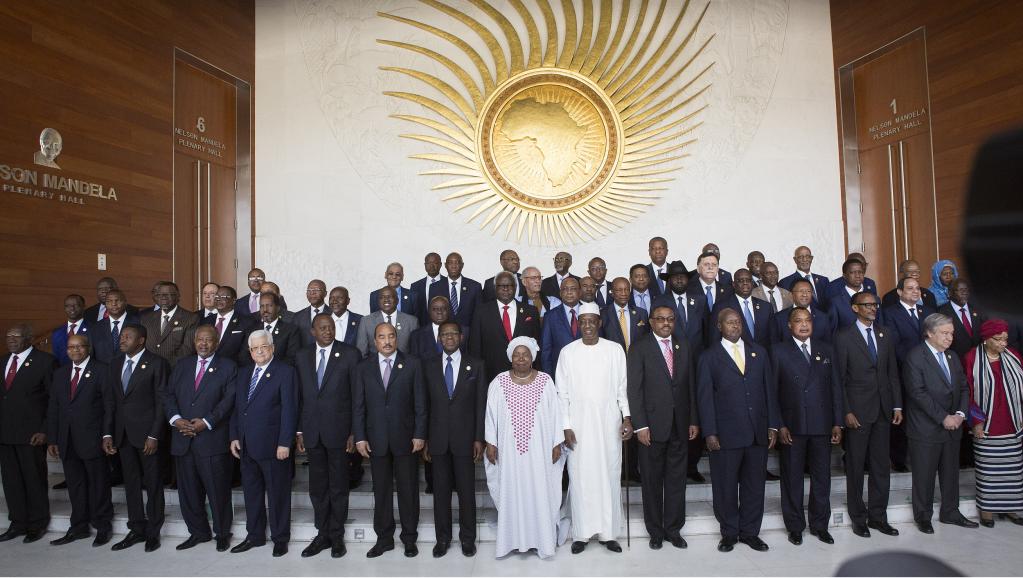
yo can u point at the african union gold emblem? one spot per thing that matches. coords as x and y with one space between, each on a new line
559 145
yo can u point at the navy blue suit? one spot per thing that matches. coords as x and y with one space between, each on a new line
232 344
639 324
763 318
204 466
836 287
738 408
811 401
469 297
906 332
408 301
422 343
841 313
655 281
556 334
820 283
422 295
693 328
724 278
104 347
352 332
262 424
58 339
241 306
599 299
822 328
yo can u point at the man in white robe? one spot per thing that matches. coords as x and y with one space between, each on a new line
524 463
591 379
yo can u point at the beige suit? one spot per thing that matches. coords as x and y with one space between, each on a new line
781 296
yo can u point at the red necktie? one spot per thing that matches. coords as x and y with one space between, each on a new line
74 381
966 322
71 330
220 327
506 321
106 314
10 372
198 375
575 324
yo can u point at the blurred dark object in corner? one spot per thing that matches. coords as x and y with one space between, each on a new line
896 563
992 241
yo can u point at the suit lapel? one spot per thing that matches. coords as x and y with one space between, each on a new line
84 379
463 376
210 370
937 367
333 358
137 373
263 377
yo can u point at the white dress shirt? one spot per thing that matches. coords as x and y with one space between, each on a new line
21 360
225 323
512 312
340 325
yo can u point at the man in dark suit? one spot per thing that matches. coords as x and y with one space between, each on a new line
106 333
869 373
690 309
286 340
757 314
98 311
708 285
803 258
721 276
641 297
966 319
456 389
170 329
735 373
463 293
134 425
910 270
326 372
231 328
841 292
938 399
421 288
597 270
810 397
74 424
662 398
249 304
390 422
620 322
510 263
560 327
551 286
755 263
346 322
403 323
208 305
263 427
802 296
657 248
406 301
198 404
588 290
74 310
315 293
424 341
491 333
28 376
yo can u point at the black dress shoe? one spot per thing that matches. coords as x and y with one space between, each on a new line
130 540
440 549
883 527
961 521
61 485
727 543
244 546
338 550
429 489
319 544
796 538
280 549
191 542
925 527
823 536
102 539
378 549
655 543
468 549
11 534
152 544
352 484
696 477
411 550
578 547
678 541
987 523
614 546
33 536
68 538
755 543
860 531
223 543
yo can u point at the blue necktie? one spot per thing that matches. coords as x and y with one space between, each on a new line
115 334
126 375
449 378
454 297
944 365
710 297
806 353
749 317
642 302
871 346
397 292
320 368
253 382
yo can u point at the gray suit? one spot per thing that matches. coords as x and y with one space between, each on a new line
403 322
930 398
303 319
781 295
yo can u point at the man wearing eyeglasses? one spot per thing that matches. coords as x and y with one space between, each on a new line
249 304
171 328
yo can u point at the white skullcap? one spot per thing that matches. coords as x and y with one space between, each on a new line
590 308
527 342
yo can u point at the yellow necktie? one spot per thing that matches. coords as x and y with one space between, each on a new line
739 361
624 326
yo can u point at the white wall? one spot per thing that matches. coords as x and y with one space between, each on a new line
338 198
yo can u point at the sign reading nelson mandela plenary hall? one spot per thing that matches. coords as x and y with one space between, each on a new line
49 184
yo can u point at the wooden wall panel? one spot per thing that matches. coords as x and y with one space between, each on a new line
101 73
975 77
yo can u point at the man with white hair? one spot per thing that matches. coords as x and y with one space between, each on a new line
591 378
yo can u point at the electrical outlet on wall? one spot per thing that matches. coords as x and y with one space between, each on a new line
101 261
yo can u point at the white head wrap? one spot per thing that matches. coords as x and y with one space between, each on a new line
527 342
590 308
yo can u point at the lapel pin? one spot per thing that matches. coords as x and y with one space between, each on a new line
87 374
143 366
974 313
400 366
880 334
757 306
353 324
337 354
28 363
267 374
211 370
175 323
754 354
468 368
521 310
818 357
398 326
676 346
692 301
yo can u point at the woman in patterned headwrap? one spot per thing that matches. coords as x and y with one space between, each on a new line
995 377
942 275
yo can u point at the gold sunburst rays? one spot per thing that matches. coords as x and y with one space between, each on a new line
557 146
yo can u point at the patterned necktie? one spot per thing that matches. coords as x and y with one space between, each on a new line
106 314
710 297
253 382
642 302
115 334
386 377
74 382
199 374
269 328
220 326
449 378
660 282
163 326
506 321
321 367
454 297
574 325
748 314
12 371
389 320
71 329
737 357
944 366
315 313
966 321
806 352
669 359
126 375
774 302
871 346
624 327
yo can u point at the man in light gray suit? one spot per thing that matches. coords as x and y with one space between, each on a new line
769 290
404 324
937 401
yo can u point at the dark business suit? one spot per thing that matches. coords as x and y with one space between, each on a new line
891 298
287 342
408 301
655 281
693 326
550 287
91 314
820 283
233 343
556 334
738 470
132 415
106 345
58 339
75 425
455 424
906 333
489 293
611 329
763 318
241 306
303 320
422 292
600 299
930 397
722 292
469 298
389 417
872 392
811 401
203 463
962 340
352 331
821 321
422 343
841 312
487 339
664 402
177 339
325 421
837 287
724 278
262 422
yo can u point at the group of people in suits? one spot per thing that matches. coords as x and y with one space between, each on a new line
730 363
